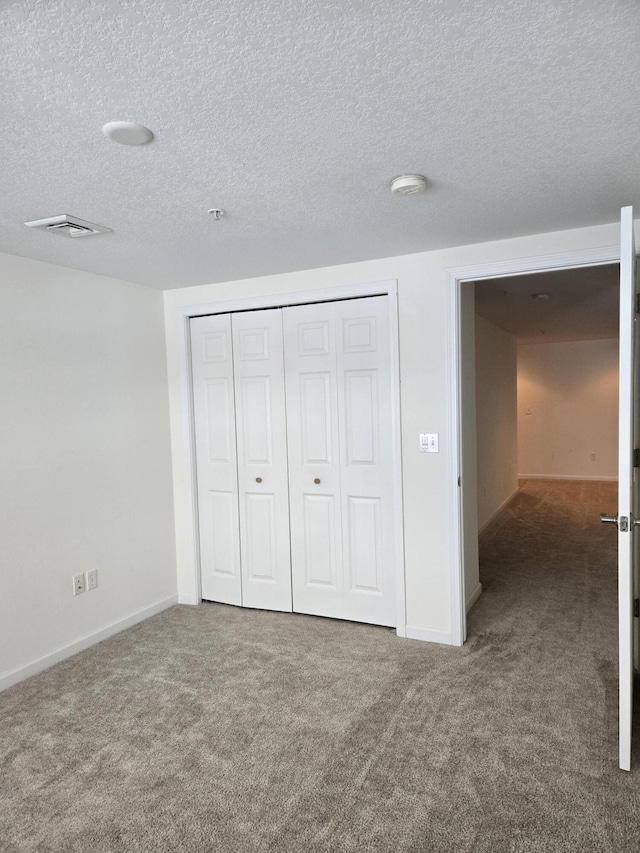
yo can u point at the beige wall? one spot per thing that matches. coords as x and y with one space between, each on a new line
429 480
568 409
496 419
85 463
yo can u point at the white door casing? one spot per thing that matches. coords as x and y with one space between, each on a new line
263 487
215 449
341 487
627 482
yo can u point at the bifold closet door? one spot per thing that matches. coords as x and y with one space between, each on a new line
217 479
340 478
263 487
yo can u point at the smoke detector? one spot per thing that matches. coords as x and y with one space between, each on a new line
70 226
409 184
127 133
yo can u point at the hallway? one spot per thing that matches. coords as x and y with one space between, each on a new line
548 614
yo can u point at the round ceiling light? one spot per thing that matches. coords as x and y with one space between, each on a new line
127 133
409 184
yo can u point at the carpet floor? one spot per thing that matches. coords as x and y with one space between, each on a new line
221 729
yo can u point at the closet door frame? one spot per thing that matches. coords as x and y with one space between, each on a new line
187 532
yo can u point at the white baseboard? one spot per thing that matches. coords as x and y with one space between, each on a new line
64 652
430 635
188 598
567 477
499 510
475 595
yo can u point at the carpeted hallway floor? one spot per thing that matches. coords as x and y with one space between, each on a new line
221 729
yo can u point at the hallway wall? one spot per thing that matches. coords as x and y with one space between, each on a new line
496 418
568 410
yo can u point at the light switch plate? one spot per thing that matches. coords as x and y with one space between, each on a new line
429 442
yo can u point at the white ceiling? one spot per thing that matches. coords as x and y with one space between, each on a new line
583 304
295 114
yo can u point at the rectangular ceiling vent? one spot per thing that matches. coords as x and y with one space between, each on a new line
71 226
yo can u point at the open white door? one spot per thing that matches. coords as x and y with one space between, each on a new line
627 482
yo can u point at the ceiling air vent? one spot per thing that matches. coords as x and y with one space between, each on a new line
71 226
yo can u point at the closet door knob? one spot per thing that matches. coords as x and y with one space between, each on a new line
317 481
258 479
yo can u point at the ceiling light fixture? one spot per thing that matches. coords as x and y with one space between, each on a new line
541 297
217 212
127 133
408 184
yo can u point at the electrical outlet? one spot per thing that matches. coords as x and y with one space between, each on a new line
78 584
92 579
593 457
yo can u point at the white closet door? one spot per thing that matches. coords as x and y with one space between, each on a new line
217 480
364 408
338 414
314 458
262 459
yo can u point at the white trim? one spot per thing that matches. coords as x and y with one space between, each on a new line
567 477
475 595
190 594
85 642
458 615
497 512
455 277
430 635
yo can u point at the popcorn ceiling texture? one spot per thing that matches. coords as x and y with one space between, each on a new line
295 115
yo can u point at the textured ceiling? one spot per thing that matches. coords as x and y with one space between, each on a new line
583 304
295 115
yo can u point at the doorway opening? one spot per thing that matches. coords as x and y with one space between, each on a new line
546 359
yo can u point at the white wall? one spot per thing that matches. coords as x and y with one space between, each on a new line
85 462
571 391
429 480
496 419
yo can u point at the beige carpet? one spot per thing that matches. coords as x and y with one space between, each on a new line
220 729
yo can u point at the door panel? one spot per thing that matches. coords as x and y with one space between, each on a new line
364 545
338 412
315 417
219 401
262 459
319 536
628 505
361 417
217 483
364 388
255 419
260 554
314 474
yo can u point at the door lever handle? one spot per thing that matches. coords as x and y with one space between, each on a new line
623 522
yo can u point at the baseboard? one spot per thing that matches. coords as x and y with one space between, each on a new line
498 511
64 652
430 635
475 595
567 477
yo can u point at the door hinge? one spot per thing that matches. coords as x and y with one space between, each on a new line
636 457
637 303
636 606
458 480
